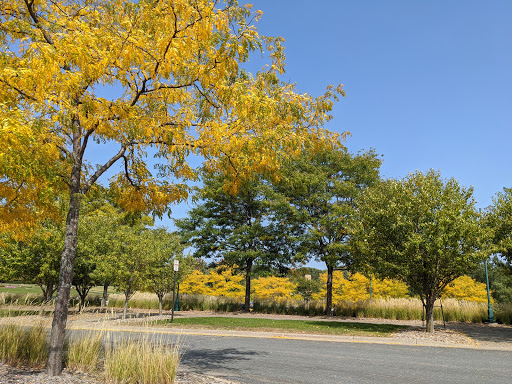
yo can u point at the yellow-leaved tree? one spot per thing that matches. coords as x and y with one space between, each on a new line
224 282
466 288
356 287
195 284
273 287
149 77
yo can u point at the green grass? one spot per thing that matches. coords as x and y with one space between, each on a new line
17 312
299 326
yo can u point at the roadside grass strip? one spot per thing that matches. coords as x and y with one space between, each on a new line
297 326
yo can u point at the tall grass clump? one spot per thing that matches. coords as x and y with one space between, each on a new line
141 362
85 353
503 313
19 346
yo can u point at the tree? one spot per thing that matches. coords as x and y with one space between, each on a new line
35 259
498 219
320 187
177 86
29 175
235 228
422 229
160 248
98 240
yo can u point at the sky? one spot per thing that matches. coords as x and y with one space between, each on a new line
428 83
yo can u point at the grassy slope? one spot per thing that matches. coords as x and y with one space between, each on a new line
299 326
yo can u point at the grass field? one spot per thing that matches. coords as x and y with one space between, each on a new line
298 326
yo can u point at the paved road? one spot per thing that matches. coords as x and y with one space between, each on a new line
254 361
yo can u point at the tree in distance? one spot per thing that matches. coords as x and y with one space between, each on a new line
235 228
146 77
318 190
160 250
498 219
422 229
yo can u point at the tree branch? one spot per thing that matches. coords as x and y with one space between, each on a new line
102 169
34 17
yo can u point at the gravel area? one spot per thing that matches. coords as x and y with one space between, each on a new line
25 375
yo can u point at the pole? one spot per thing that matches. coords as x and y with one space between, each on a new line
490 314
173 297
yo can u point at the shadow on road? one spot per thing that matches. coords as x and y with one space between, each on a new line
202 360
485 332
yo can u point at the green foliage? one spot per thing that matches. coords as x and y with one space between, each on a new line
36 259
235 227
500 279
305 326
319 188
498 220
422 229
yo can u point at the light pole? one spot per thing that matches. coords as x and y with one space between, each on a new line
176 268
490 314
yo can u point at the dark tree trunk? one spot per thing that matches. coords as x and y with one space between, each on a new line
82 293
105 295
328 294
66 277
248 270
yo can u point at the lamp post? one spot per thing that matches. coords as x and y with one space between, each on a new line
490 314
176 268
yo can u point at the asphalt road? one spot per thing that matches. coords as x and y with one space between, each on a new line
256 360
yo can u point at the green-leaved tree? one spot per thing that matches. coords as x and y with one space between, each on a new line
422 229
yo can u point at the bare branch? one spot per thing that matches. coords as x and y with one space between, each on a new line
86 139
103 168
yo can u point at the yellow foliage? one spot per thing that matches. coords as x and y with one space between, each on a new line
195 283
223 282
218 282
162 77
357 287
272 287
465 288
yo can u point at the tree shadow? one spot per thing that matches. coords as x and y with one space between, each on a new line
199 360
485 332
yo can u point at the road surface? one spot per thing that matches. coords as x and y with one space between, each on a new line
259 360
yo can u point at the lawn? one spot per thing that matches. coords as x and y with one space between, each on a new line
297 326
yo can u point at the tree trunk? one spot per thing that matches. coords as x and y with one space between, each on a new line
82 292
160 298
429 315
248 269
328 294
105 295
66 277
127 298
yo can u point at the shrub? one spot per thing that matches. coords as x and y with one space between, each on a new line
84 353
19 346
141 362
